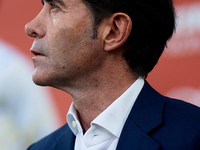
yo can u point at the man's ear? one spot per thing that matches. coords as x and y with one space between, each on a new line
117 31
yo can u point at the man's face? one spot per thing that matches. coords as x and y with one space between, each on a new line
63 48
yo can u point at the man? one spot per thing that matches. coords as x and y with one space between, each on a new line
99 52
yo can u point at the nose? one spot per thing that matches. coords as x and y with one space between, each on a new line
36 27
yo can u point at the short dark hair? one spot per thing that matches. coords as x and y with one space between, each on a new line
153 25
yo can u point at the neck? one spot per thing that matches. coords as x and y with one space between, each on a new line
92 101
93 94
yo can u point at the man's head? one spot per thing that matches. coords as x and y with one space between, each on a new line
153 24
79 39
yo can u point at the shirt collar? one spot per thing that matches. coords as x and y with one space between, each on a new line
113 118
73 121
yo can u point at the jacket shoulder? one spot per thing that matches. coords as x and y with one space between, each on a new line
172 123
180 126
50 141
175 108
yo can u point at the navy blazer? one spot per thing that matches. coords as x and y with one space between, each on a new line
155 122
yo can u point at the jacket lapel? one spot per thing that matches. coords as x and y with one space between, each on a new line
133 138
145 116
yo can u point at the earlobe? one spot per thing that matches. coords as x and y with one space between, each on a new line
120 25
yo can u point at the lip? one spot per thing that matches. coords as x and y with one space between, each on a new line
36 53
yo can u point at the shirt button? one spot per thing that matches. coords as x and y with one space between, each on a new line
74 124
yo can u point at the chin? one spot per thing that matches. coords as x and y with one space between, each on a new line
40 79
39 82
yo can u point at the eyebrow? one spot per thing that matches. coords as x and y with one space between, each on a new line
54 1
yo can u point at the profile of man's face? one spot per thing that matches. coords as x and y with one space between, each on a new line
63 48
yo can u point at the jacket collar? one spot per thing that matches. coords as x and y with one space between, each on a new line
145 116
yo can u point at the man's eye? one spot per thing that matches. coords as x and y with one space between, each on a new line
53 6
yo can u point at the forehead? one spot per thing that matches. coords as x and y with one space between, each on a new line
54 1
63 2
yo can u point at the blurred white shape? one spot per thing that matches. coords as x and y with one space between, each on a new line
186 40
27 112
188 94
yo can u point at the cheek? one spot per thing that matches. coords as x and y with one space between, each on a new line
68 43
62 50
69 40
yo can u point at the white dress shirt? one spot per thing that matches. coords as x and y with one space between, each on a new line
106 128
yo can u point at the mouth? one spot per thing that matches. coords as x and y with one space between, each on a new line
37 53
